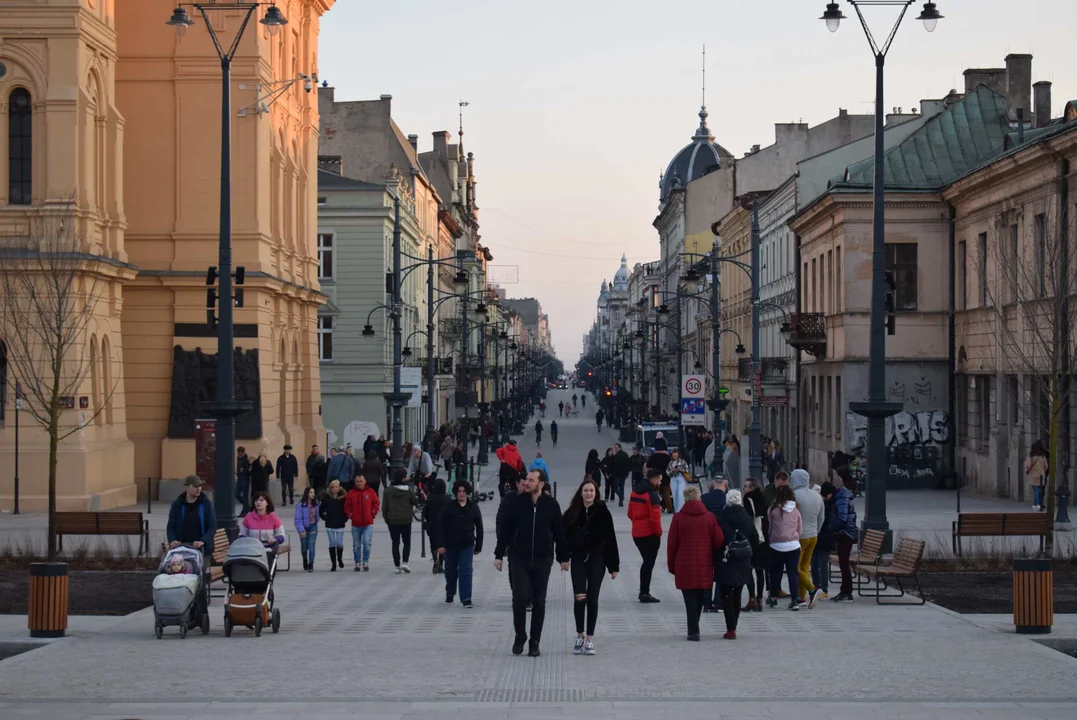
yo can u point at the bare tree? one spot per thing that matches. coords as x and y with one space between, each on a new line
1031 291
49 293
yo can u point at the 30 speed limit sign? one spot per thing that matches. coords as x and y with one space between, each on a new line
693 386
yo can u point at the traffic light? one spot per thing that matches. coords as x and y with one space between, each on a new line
890 303
718 404
608 393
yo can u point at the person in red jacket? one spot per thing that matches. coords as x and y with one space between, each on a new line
694 537
361 506
645 512
512 466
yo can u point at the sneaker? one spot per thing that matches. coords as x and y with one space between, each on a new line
528 607
648 598
449 599
518 645
801 603
730 635
358 567
693 638
843 598
468 605
824 595
772 602
813 598
589 648
366 567
533 649
793 606
710 608
783 594
578 647
399 571
405 568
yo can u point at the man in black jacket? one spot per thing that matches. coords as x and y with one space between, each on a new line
287 470
459 540
714 501
622 468
533 533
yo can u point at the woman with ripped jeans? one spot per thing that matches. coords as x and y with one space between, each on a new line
593 546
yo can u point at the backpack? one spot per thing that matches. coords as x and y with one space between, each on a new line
737 549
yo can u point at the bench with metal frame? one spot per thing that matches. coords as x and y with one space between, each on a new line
869 551
904 565
103 523
1021 524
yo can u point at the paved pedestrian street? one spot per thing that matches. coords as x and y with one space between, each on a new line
383 646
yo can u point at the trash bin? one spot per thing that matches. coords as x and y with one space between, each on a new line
47 614
1033 596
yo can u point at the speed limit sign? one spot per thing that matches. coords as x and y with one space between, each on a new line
693 386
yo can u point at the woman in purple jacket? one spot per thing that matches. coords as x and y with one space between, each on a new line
306 524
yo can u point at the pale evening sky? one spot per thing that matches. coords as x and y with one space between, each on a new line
576 107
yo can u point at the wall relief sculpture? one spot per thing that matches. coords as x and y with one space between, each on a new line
194 382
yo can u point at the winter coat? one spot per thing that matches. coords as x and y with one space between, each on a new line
459 527
260 475
206 519
421 466
268 528
731 467
785 525
593 467
827 540
372 471
361 506
714 500
645 510
316 470
659 459
592 535
540 464
757 508
399 500
503 509
287 468
303 520
734 519
510 455
1036 470
332 510
694 537
843 518
810 504
338 470
635 464
432 513
532 530
622 466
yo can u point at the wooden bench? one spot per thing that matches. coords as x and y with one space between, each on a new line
869 552
103 523
1022 524
904 565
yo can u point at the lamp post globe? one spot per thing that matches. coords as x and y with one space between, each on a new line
833 16
180 21
274 20
930 16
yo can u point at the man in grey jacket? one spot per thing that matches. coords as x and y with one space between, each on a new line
812 514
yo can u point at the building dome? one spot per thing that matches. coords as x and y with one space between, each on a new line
698 158
620 278
603 294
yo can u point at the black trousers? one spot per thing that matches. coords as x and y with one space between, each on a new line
587 580
287 490
529 580
610 484
648 550
731 605
693 607
398 533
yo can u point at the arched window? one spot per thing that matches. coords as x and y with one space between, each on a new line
19 150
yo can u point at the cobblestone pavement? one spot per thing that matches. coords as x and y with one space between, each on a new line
386 646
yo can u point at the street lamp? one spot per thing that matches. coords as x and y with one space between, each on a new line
224 407
876 409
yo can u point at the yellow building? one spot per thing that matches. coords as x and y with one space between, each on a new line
126 120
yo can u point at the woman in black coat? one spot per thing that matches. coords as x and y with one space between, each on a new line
261 471
593 467
756 505
733 573
592 544
432 516
607 470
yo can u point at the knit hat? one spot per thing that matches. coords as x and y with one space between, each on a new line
659 435
733 497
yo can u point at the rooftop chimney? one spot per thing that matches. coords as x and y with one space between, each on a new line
1041 93
387 101
1018 84
994 78
441 144
414 140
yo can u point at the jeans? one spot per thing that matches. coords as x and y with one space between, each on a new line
587 580
845 548
459 564
693 608
243 492
820 568
306 544
361 537
648 550
731 605
530 579
807 549
1037 495
787 562
677 484
336 537
398 533
619 487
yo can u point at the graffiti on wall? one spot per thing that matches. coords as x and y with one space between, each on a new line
904 430
919 395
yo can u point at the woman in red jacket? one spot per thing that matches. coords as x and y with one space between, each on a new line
694 537
645 512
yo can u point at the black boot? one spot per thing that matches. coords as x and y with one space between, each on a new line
333 559
340 557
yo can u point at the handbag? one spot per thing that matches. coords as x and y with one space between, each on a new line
758 522
738 549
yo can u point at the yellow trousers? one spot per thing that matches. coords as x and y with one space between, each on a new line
807 548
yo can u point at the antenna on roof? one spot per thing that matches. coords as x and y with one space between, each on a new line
463 104
704 75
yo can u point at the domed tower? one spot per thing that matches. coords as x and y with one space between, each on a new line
603 295
696 159
620 278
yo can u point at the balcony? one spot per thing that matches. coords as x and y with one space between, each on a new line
772 370
809 333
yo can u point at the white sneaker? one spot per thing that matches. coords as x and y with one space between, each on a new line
578 647
405 568
399 570
589 648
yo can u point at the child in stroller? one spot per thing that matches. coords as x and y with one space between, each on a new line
180 592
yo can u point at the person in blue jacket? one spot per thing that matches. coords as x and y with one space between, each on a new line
539 464
191 520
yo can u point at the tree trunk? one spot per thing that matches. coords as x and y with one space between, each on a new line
53 443
1052 467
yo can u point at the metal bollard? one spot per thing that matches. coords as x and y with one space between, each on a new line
471 471
555 490
422 540
1062 495
149 497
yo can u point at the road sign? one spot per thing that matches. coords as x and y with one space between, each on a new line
691 386
693 411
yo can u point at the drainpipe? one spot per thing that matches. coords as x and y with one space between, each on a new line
951 343
1064 421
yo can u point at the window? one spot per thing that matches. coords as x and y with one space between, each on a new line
325 338
830 278
811 407
821 288
838 409
1040 239
962 274
1012 295
325 256
815 288
829 400
901 261
805 282
19 147
981 261
322 202
1015 400
839 291
983 391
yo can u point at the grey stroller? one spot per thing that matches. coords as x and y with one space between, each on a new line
180 592
250 569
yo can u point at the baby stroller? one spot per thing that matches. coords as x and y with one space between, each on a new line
181 598
250 569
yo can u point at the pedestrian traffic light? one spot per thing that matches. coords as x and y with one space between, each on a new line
890 303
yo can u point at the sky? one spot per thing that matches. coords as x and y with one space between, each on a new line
576 107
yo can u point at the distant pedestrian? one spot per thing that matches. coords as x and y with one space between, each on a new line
621 468
731 461
826 542
538 433
287 471
306 524
607 471
843 527
598 417
540 464
332 512
593 467
645 512
583 400
372 471
593 547
812 515
561 408
261 472
1036 472
400 501
553 432
432 516
361 506
734 569
756 506
243 480
635 461
785 526
659 460
574 398
316 470
694 536
459 529
679 474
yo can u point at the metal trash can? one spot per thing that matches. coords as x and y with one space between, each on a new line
1033 596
